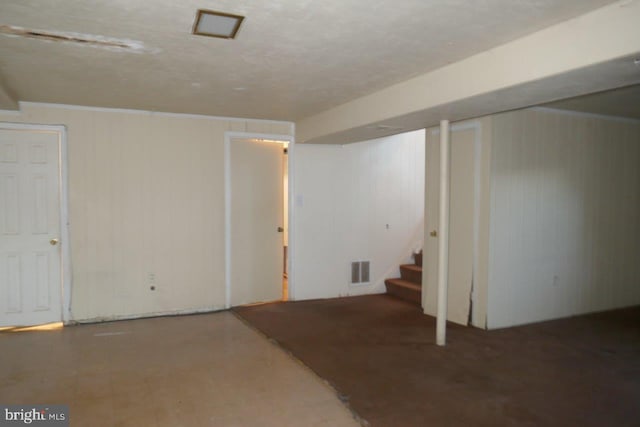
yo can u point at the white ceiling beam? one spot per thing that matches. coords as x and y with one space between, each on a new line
600 36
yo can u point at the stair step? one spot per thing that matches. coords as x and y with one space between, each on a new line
418 258
411 273
405 290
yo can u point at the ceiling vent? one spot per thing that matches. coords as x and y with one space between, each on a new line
217 24
75 38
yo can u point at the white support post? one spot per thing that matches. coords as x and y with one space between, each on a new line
443 241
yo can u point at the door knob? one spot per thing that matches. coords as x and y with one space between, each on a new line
433 233
53 242
280 229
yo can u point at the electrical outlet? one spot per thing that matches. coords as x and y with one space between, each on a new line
151 281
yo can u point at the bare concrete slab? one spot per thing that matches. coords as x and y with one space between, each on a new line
202 370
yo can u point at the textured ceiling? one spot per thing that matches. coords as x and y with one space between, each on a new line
291 58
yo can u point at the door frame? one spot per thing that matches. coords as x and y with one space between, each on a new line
476 126
63 180
229 136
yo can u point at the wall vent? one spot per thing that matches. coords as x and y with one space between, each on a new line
360 272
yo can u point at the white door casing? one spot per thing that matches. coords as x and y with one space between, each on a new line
256 212
31 225
463 214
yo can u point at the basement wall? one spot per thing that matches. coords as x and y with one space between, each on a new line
146 197
565 216
345 197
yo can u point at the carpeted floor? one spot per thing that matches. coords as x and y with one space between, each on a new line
379 354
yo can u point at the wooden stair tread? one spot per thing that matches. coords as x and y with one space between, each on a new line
411 273
412 267
404 284
408 286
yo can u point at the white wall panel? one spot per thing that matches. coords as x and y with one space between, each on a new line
565 216
345 197
146 196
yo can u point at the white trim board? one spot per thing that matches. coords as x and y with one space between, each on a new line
116 318
228 137
584 114
148 112
291 270
65 242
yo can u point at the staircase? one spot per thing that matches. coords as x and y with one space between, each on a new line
409 286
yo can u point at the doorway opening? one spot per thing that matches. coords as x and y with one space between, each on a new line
257 218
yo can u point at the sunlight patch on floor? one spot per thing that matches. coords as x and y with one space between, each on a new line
46 327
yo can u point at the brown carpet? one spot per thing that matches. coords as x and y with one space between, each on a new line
379 353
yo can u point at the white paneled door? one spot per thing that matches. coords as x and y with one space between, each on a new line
30 255
257 215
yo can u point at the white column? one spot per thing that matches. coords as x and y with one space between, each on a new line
443 241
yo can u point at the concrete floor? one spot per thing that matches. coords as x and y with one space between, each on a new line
379 353
201 370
